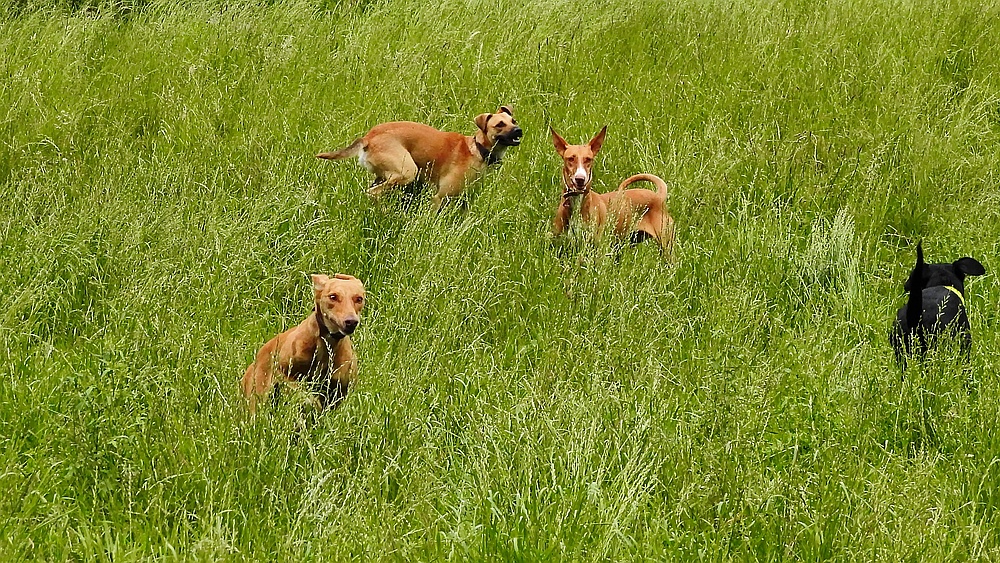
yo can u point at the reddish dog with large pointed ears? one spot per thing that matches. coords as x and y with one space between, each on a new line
399 151
635 214
318 351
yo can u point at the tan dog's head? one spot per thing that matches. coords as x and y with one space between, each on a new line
499 128
339 301
578 161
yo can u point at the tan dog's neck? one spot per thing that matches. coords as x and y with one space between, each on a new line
489 153
331 337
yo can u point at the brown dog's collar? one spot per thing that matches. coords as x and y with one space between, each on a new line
487 154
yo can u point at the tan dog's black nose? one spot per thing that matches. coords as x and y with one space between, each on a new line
350 325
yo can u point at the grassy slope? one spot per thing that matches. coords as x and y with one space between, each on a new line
161 208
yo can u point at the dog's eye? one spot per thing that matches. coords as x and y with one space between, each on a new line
359 300
334 297
588 160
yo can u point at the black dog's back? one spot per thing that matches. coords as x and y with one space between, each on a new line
935 305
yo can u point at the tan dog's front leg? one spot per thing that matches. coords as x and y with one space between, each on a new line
562 217
342 376
448 187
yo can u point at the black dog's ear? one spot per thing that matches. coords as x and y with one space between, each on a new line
507 110
969 267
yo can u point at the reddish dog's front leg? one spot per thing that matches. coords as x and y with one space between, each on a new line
563 213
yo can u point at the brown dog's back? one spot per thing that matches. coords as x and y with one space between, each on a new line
425 144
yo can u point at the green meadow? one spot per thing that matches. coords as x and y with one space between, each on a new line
519 398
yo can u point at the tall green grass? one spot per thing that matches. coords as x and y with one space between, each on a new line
518 398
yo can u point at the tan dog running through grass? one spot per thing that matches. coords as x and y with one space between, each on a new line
399 151
318 351
635 214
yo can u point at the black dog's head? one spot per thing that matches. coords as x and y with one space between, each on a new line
931 275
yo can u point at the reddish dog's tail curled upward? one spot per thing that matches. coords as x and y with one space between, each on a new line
661 186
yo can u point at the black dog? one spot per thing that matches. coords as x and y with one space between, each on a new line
936 305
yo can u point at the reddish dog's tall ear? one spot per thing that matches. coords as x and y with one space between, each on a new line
481 120
598 140
558 141
506 109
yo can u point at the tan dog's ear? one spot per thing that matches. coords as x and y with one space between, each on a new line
598 140
558 141
344 277
481 120
319 281
507 110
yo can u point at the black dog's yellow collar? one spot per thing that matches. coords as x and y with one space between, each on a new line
956 292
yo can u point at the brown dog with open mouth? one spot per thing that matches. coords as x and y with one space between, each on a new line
635 214
399 151
318 352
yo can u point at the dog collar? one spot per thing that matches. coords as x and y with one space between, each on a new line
956 292
486 154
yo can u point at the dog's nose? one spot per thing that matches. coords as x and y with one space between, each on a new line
518 132
579 181
350 325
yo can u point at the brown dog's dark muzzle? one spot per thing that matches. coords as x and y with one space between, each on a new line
513 138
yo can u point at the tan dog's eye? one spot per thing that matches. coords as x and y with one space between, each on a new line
359 300
334 297
588 160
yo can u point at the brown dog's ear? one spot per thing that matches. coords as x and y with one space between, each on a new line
319 281
507 110
558 141
344 277
598 140
481 120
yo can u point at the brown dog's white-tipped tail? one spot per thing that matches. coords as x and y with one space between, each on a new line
661 186
354 149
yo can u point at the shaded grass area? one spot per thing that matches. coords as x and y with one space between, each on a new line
519 397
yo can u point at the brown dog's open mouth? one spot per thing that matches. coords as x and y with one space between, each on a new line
511 140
